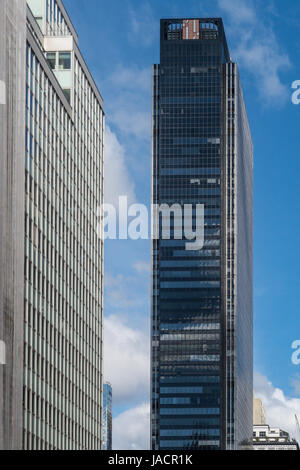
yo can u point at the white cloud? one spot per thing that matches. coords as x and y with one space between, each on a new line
120 294
117 179
142 267
131 429
126 360
238 10
116 291
132 78
130 118
265 61
280 409
295 382
257 49
129 107
144 26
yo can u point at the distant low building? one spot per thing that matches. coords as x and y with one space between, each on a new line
267 438
107 417
259 416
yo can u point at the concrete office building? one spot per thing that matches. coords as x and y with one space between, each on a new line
202 314
60 259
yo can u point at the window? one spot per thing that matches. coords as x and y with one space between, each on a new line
64 62
39 20
51 58
67 93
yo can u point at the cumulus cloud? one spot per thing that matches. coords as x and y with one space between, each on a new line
280 409
131 429
257 49
144 26
128 116
120 294
238 10
126 360
266 62
142 267
117 293
131 78
295 382
117 179
130 108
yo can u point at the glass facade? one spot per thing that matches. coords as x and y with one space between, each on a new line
107 417
63 272
201 300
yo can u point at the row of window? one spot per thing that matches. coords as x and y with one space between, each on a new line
59 60
63 278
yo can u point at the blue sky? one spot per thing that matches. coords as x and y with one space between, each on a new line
120 42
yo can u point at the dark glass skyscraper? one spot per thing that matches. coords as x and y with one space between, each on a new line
201 299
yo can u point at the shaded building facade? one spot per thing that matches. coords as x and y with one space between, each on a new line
202 313
57 291
12 169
